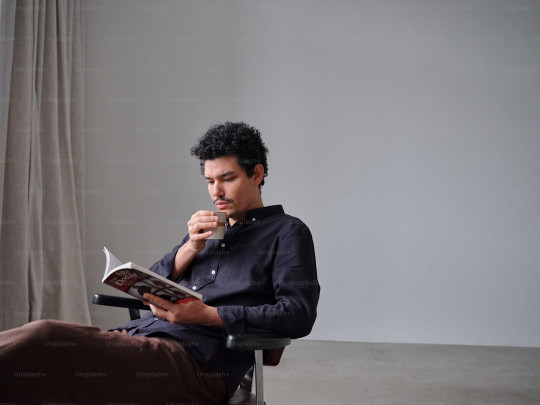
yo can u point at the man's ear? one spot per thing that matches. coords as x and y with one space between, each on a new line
258 173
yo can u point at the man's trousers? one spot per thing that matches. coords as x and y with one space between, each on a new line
53 362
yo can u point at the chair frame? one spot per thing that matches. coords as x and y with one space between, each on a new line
268 349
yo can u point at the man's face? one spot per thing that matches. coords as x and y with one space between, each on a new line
231 190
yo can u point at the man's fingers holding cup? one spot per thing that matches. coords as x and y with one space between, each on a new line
204 216
202 223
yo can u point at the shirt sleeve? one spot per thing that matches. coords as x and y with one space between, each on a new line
294 279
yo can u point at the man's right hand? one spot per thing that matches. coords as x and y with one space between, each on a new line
200 228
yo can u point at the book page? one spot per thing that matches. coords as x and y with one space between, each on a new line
136 280
112 261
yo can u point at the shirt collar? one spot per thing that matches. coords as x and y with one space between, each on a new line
257 214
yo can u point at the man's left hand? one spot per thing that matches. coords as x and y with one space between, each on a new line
192 312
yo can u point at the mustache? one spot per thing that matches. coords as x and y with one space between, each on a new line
227 200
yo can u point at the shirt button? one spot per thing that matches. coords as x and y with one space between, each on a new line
253 219
223 245
194 287
213 272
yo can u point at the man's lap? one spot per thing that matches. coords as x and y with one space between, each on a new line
66 361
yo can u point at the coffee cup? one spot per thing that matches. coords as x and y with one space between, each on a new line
219 231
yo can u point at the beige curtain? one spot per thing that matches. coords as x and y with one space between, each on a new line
42 268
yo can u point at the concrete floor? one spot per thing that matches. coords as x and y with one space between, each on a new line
323 372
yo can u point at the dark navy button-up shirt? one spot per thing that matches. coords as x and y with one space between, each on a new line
261 277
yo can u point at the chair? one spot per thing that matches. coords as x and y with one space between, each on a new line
268 350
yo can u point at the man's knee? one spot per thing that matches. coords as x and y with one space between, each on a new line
46 333
45 328
19 343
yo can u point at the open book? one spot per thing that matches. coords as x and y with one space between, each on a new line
136 281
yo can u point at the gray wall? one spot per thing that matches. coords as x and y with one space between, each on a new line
405 133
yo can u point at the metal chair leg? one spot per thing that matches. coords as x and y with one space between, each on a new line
259 377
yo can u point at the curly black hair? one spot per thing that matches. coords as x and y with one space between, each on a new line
233 139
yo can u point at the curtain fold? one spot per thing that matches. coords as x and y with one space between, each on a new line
42 270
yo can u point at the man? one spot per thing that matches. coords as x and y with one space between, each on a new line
260 278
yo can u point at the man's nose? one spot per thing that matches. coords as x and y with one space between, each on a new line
217 190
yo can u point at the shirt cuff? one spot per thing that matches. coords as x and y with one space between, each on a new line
233 318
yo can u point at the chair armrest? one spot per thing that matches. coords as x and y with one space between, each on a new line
256 342
122 302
